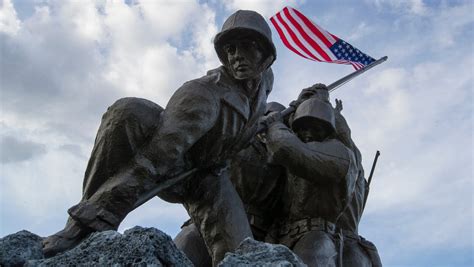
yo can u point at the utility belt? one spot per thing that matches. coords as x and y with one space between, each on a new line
306 225
349 234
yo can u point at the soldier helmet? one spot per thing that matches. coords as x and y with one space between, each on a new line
311 111
273 106
247 22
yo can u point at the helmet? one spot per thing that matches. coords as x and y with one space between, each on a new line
273 106
313 111
248 22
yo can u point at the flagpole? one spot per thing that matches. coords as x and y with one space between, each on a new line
333 86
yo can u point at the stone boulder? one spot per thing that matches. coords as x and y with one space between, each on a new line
254 253
16 249
136 247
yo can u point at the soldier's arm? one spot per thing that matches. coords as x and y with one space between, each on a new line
319 162
191 112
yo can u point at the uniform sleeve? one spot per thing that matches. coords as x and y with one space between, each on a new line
318 162
191 112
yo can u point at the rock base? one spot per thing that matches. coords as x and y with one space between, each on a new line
18 248
136 247
255 253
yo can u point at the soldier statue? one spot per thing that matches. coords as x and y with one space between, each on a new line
259 184
321 173
206 122
356 251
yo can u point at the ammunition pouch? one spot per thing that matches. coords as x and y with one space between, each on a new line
305 225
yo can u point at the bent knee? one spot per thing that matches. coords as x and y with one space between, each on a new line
132 109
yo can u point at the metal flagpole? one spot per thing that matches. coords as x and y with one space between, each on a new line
333 86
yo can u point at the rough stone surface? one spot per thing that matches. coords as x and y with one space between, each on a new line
136 247
16 249
255 253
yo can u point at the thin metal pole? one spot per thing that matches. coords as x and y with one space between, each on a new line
333 86
373 166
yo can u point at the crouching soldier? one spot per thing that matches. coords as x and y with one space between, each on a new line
321 173
357 251
206 122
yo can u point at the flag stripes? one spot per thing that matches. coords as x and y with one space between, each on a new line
309 40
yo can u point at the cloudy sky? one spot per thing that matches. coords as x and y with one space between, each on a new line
62 63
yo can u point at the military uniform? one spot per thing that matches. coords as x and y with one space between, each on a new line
321 179
259 184
357 251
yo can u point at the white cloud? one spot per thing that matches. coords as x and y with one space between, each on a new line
9 22
415 7
450 24
14 150
362 30
267 8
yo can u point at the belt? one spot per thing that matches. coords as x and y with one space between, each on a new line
350 234
306 225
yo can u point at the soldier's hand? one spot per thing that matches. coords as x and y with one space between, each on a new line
338 107
266 121
273 117
311 91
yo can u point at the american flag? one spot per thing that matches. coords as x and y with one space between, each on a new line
312 42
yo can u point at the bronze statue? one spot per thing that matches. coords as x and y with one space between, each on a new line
259 184
321 177
205 123
357 251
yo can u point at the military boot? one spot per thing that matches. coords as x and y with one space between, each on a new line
66 239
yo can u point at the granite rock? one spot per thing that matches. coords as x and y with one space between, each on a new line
136 247
16 249
255 253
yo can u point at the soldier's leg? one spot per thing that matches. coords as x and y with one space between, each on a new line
190 241
371 251
354 254
124 127
218 212
317 248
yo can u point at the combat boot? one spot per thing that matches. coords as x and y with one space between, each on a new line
66 239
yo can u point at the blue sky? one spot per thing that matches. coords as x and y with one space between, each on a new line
64 62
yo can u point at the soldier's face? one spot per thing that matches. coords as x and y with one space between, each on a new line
316 133
244 57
